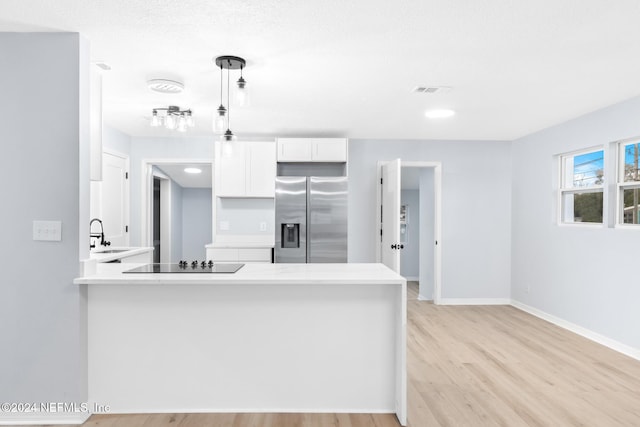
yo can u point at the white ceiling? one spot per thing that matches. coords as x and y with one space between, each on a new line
347 68
176 172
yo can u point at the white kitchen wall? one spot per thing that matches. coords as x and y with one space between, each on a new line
44 170
196 222
476 209
114 140
243 216
586 276
410 255
160 148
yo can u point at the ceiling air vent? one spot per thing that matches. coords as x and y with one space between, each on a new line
165 86
431 89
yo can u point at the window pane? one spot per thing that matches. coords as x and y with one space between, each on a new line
584 170
631 172
585 207
631 206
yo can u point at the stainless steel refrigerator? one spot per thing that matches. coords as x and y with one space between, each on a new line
311 219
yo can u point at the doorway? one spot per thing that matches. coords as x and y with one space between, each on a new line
412 223
177 208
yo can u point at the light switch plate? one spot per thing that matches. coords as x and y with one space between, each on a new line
47 230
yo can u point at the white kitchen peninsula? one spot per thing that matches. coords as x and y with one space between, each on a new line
268 338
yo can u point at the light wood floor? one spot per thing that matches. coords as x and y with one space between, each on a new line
475 366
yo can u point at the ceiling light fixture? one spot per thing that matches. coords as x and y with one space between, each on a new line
193 170
439 114
165 85
172 118
222 117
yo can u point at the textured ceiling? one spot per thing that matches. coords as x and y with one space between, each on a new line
347 68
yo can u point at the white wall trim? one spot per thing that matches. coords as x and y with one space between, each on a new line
39 418
475 301
421 298
411 278
584 332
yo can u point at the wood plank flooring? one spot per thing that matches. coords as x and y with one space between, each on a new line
475 366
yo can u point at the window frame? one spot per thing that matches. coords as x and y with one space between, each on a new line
622 185
563 189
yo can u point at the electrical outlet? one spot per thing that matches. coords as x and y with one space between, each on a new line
263 226
224 225
47 230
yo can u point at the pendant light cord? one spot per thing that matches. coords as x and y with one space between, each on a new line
228 103
221 84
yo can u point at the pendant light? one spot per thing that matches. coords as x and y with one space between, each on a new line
223 114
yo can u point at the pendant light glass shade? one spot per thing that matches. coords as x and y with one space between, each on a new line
155 120
190 120
241 93
170 122
182 123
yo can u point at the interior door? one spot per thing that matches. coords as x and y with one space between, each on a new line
390 251
115 199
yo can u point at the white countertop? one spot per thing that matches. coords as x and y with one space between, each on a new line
102 254
258 273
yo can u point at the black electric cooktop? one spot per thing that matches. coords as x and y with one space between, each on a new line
185 267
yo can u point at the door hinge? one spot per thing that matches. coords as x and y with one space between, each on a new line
126 228
381 232
126 175
380 180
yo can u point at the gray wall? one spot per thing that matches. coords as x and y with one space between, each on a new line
427 233
196 222
476 209
244 216
587 276
44 168
410 255
176 221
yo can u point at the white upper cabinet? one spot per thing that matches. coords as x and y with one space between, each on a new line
312 149
249 170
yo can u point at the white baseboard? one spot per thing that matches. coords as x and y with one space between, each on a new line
584 332
421 298
411 279
39 418
475 301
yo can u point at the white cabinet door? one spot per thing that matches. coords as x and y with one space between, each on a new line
260 169
249 170
231 171
329 150
294 150
112 206
312 150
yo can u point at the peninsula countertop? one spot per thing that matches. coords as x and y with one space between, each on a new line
252 273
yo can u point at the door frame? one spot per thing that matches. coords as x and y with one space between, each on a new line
437 188
146 182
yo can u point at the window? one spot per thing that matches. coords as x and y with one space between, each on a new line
581 187
629 183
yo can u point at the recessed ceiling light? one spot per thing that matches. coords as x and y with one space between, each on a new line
439 113
165 86
192 170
